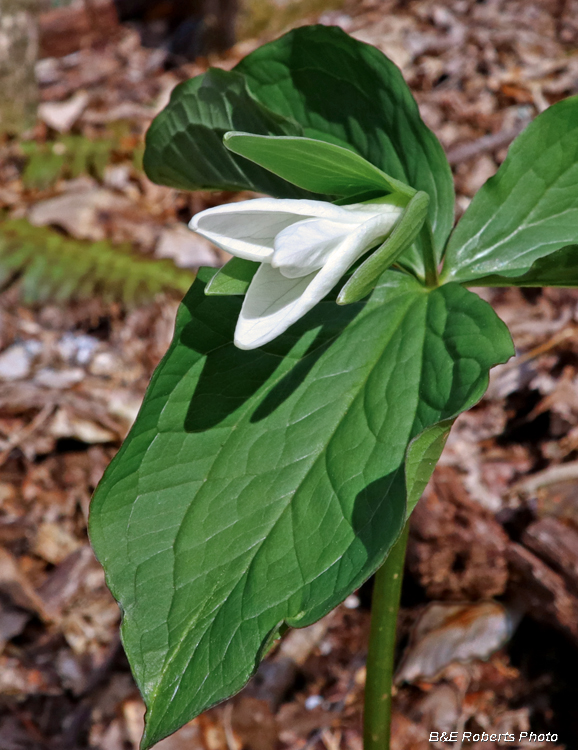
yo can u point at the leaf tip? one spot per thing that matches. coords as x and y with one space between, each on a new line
231 134
347 297
147 741
153 729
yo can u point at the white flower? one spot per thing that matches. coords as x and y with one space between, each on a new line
304 247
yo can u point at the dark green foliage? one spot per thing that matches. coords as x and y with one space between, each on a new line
184 145
348 93
558 269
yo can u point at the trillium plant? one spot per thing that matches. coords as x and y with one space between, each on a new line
312 381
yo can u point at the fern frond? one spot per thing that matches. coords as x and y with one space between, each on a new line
70 156
51 267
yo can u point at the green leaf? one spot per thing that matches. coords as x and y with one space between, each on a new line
259 488
184 145
557 269
422 456
233 278
529 209
314 165
348 93
365 277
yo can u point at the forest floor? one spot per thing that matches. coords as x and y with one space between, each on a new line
489 618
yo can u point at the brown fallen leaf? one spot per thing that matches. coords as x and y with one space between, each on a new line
187 249
447 633
61 116
54 542
15 584
67 424
541 591
12 621
253 723
556 543
78 211
20 682
66 30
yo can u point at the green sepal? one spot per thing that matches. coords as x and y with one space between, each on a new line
365 277
314 165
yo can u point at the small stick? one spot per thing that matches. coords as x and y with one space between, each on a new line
487 143
21 435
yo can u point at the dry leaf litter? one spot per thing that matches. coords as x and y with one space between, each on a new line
488 635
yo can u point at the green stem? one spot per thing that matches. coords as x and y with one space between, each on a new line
431 269
380 659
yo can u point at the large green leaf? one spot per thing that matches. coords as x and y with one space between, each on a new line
529 209
349 93
259 488
315 165
184 145
557 269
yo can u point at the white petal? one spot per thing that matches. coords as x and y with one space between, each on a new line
242 232
247 229
305 246
341 259
367 210
308 245
271 305
350 249
305 208
274 302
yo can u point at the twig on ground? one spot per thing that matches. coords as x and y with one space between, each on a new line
561 473
17 438
487 143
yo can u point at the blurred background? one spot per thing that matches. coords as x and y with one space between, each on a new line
93 261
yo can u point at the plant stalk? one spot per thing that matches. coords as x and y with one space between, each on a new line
380 658
431 270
